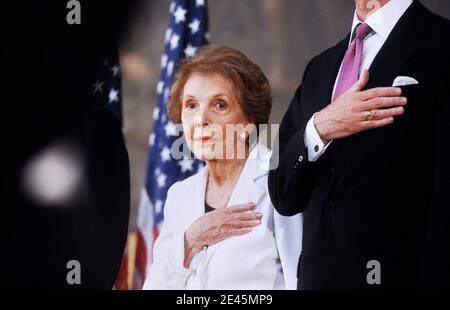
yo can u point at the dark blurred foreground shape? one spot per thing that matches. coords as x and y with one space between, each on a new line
50 68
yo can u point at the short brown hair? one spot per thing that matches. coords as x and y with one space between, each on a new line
254 92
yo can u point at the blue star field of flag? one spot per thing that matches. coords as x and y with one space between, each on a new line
187 32
106 88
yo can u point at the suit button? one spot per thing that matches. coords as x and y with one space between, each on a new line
332 170
330 203
300 159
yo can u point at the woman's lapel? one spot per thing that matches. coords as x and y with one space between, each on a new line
247 188
193 200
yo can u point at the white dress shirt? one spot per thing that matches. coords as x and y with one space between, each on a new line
382 23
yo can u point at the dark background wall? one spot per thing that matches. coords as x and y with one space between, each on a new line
279 35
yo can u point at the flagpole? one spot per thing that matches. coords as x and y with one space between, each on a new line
132 249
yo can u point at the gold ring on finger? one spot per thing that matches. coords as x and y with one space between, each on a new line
369 116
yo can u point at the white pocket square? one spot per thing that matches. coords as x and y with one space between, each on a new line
403 81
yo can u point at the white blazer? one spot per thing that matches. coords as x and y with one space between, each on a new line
242 262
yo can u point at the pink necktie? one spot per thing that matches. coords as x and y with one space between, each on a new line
349 74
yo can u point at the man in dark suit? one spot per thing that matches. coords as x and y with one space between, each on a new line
364 154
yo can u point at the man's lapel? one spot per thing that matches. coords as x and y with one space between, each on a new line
331 65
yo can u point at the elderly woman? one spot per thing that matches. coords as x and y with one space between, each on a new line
220 229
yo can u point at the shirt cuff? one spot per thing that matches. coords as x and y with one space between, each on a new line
313 142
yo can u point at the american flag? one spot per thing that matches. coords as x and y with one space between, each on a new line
187 32
106 86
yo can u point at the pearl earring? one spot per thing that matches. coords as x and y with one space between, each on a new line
243 136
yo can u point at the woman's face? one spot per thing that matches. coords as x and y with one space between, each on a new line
212 118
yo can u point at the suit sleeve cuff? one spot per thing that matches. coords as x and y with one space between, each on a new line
313 142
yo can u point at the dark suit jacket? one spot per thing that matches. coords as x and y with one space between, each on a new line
381 194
